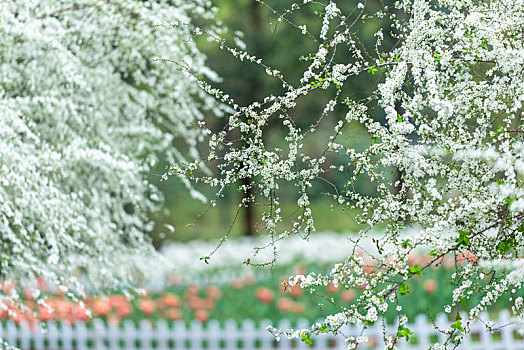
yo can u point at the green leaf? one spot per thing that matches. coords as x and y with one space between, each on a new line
505 245
415 270
463 238
502 247
458 326
306 338
317 83
508 200
404 289
404 332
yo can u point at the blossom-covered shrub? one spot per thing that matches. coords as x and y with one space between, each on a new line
445 150
84 112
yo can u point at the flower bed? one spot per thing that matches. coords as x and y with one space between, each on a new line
245 297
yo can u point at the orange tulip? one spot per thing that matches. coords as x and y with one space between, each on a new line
171 300
146 306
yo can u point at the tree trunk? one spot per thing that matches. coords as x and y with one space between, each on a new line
254 88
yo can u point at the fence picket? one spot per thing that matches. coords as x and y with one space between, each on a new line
302 324
180 335
66 336
284 342
196 335
266 338
213 335
113 336
249 334
129 335
99 334
162 333
10 334
25 335
52 336
423 331
507 332
145 334
485 335
231 335
442 323
80 333
467 343
374 335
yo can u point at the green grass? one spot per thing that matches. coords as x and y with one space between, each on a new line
192 221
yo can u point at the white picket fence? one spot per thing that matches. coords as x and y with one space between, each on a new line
247 336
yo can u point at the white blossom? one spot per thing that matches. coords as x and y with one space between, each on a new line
84 111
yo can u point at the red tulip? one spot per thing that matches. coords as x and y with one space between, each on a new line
332 289
44 314
264 294
297 308
213 292
201 315
173 314
250 280
81 313
284 304
430 286
237 283
348 295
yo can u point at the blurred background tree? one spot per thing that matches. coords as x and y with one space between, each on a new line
257 29
85 111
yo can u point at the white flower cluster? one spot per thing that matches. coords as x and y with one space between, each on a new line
447 157
84 111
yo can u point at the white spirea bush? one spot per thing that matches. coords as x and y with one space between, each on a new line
84 112
449 106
